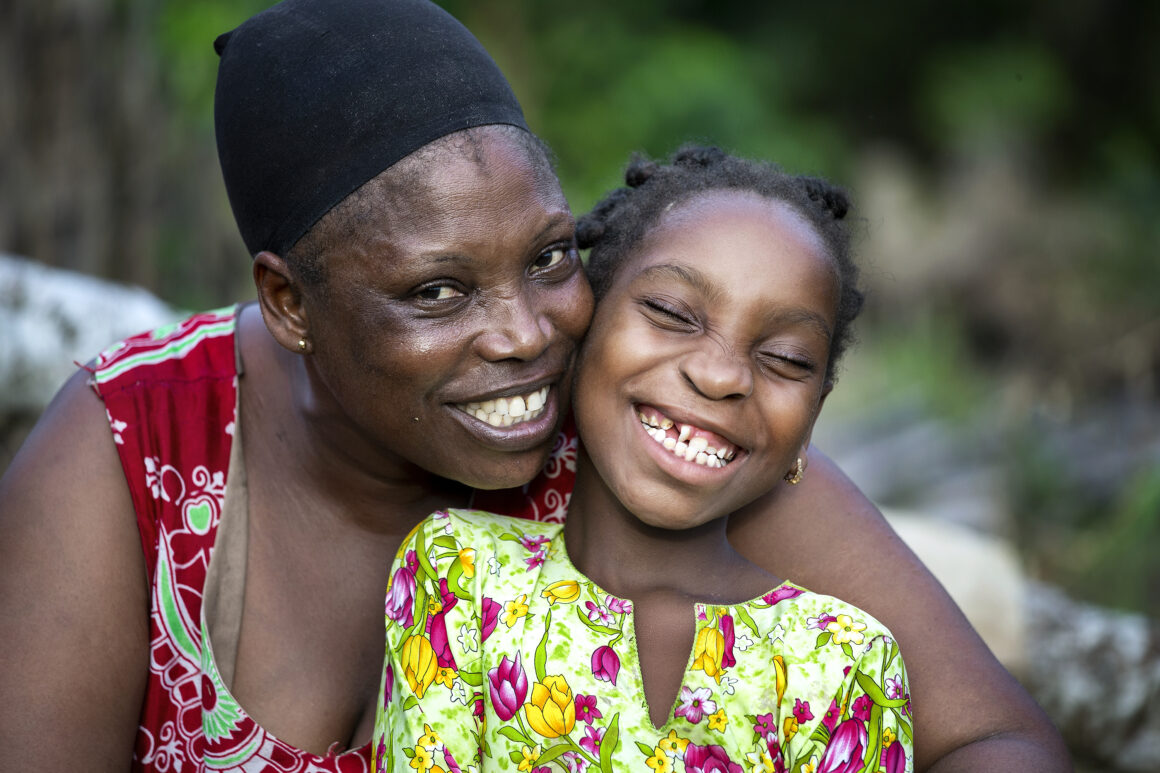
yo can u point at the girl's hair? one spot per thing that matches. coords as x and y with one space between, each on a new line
623 217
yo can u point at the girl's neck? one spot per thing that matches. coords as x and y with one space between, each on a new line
631 559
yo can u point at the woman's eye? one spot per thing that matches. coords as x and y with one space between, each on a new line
550 258
438 293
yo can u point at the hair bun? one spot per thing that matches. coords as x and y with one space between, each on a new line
589 229
834 200
694 156
639 171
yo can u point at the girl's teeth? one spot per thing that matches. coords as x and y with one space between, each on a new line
691 449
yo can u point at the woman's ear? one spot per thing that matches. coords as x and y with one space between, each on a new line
280 297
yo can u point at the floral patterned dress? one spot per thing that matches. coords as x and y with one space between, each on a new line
501 655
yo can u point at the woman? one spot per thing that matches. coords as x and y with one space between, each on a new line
413 262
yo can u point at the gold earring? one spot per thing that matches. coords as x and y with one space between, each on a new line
302 344
796 473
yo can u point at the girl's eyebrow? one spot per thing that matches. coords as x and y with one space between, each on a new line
685 274
712 292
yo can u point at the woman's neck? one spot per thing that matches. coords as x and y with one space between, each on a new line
631 559
321 464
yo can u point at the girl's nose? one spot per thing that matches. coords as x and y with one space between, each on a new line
717 373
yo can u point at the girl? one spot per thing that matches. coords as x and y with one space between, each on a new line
635 637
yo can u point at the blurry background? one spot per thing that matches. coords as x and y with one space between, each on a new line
1004 158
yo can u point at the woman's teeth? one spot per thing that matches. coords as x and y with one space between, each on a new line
691 449
506 411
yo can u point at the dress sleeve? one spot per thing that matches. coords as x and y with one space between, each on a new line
873 729
431 685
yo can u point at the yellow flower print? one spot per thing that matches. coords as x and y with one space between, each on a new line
419 664
564 591
445 676
430 739
708 651
434 605
846 630
660 761
423 759
718 721
759 762
551 709
531 754
810 766
674 745
782 677
789 728
467 561
888 737
515 609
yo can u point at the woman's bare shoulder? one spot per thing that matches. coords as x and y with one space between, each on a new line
73 593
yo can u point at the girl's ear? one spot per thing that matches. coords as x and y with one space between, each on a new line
280 298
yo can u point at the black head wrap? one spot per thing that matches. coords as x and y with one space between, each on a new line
316 97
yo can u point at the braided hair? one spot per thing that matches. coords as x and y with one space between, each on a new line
619 221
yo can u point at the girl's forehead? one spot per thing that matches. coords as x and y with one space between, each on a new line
724 212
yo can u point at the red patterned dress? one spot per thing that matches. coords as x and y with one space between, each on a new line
171 397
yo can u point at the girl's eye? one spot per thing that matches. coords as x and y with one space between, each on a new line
673 316
793 365
438 293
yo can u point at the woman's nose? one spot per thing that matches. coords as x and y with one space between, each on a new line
516 329
716 372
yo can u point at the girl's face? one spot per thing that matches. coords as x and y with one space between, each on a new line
704 369
445 337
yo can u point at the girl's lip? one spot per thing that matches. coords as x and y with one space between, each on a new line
678 467
677 427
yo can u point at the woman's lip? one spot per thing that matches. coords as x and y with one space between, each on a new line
522 436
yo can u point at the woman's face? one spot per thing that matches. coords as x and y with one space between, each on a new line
704 369
445 335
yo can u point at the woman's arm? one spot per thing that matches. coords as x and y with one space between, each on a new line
73 596
970 713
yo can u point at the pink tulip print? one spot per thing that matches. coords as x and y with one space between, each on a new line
605 664
509 686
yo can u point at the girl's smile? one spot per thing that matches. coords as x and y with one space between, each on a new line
687 441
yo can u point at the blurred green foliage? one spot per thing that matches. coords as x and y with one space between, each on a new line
1070 91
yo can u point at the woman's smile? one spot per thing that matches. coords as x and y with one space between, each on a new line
515 422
